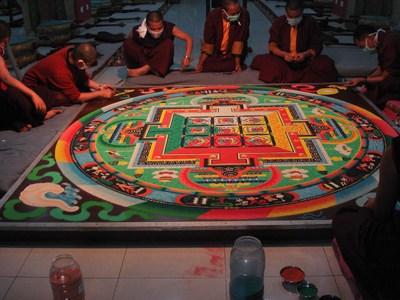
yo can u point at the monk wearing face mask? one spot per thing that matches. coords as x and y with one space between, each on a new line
383 84
149 49
294 50
225 39
63 73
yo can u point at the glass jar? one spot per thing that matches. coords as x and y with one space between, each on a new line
247 265
66 278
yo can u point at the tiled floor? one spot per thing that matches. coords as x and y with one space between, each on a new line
170 271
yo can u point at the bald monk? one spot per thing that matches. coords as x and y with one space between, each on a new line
383 84
225 39
294 50
150 47
63 73
20 107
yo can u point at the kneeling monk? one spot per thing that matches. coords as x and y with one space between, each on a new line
150 46
225 39
295 46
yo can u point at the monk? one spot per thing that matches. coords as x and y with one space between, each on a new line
226 32
20 107
64 74
150 47
294 50
383 84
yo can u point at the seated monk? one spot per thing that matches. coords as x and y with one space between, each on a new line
225 39
295 48
20 107
150 46
63 73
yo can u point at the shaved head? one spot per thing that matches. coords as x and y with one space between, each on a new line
362 32
226 3
86 52
154 16
294 5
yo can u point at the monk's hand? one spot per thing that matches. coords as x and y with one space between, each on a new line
288 57
369 203
107 86
107 93
186 63
199 68
39 104
238 68
300 57
355 82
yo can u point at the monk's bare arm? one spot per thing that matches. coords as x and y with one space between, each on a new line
376 77
103 90
189 46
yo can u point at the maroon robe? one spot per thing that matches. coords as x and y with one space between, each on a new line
213 36
156 53
371 248
59 75
274 69
17 110
388 60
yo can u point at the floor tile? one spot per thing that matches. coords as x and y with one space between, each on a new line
332 261
12 260
176 262
29 289
94 262
99 289
344 288
5 283
171 289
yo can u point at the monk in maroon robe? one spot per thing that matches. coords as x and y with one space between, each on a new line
20 107
225 39
150 47
383 84
295 47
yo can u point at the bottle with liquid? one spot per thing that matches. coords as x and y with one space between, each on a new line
247 265
66 278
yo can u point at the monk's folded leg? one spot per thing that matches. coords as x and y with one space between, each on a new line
161 57
320 70
219 63
386 90
275 70
133 54
16 108
257 62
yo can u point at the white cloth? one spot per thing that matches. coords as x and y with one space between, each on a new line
142 29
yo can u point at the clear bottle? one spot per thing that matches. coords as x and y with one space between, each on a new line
66 278
247 265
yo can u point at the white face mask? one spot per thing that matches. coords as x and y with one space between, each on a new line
294 22
84 67
155 34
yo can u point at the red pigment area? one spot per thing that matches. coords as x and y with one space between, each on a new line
293 275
